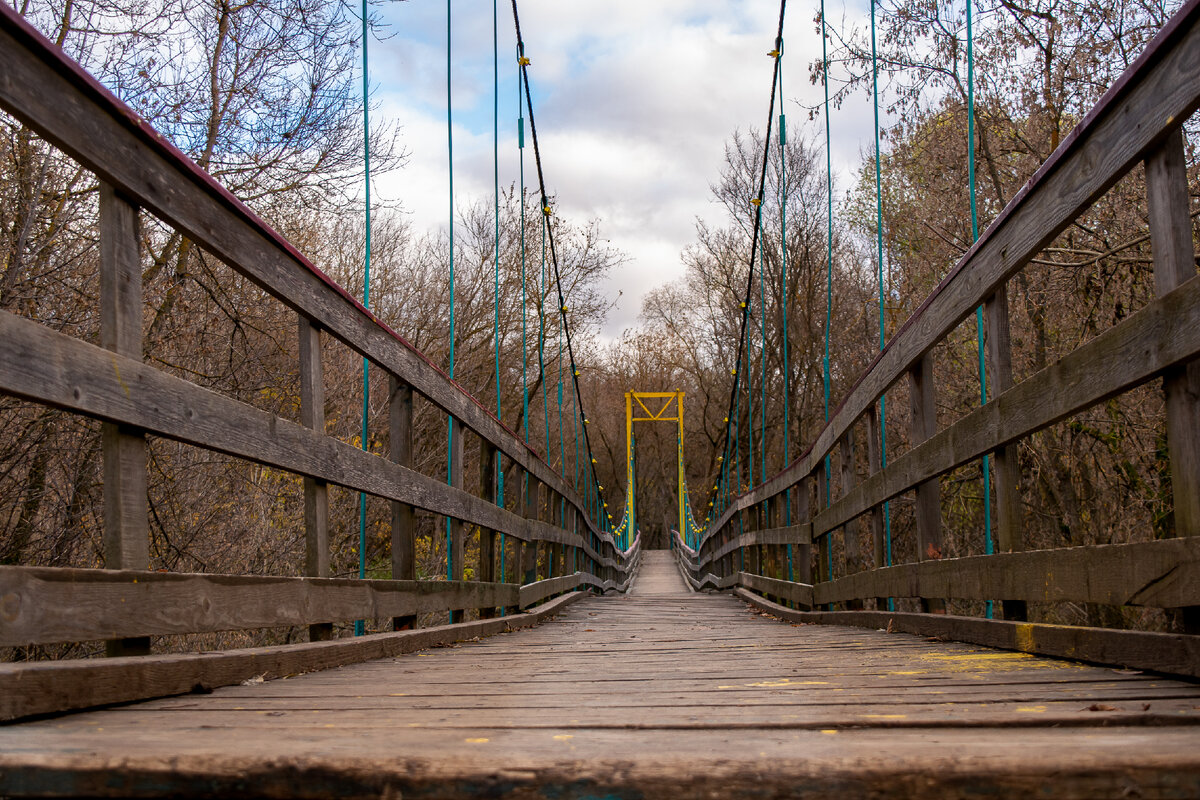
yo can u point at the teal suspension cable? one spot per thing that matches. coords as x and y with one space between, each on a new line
524 308
762 318
787 374
359 625
887 517
450 162
496 243
987 483
828 264
543 291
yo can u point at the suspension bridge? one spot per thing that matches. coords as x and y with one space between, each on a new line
576 663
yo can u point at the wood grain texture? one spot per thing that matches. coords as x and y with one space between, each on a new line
1170 653
50 687
42 605
1158 574
658 693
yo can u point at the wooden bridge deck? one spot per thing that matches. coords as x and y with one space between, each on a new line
660 693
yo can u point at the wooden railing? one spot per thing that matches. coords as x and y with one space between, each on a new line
126 604
1138 120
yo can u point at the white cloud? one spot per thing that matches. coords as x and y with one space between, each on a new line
634 100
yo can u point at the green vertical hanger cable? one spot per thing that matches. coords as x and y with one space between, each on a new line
496 248
450 163
359 625
787 374
887 517
987 483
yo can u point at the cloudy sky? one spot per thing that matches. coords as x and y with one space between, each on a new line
634 100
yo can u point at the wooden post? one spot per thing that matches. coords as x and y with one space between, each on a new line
126 512
400 444
488 487
850 530
923 424
803 564
874 464
316 492
1175 264
823 572
1006 472
455 556
528 560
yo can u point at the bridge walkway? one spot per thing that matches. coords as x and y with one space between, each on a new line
658 693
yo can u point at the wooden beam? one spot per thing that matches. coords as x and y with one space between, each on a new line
316 492
44 605
1175 654
49 687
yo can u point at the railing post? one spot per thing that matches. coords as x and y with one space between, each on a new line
1006 469
455 556
1175 264
126 505
488 461
316 492
804 571
528 550
928 512
850 530
874 464
823 572
400 447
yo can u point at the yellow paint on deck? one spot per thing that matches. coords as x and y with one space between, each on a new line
1024 637
1032 709
562 737
884 716
829 732
786 682
475 741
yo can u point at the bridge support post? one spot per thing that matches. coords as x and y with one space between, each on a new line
803 565
874 464
529 550
126 507
400 447
316 492
488 483
929 510
1006 471
454 555
823 572
1174 265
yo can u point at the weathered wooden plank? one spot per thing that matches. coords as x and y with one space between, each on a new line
1171 653
799 593
791 534
536 592
1157 574
49 604
1165 332
52 368
36 688
58 99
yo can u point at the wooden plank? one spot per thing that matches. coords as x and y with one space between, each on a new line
46 604
1155 574
48 367
455 533
799 593
922 427
536 592
1164 333
58 99
316 492
489 461
37 688
1170 653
